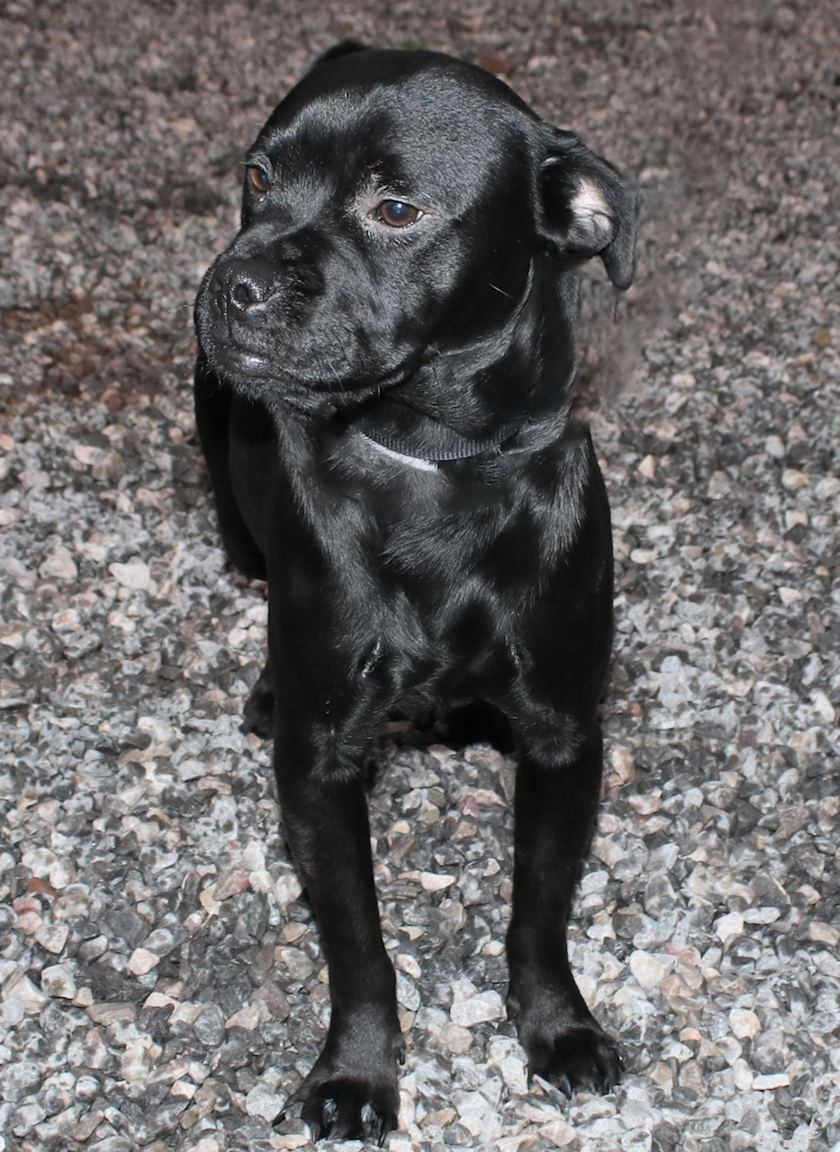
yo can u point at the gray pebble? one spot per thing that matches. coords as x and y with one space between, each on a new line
209 1026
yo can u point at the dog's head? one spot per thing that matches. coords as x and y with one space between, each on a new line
396 205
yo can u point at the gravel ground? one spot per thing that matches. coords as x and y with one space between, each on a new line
162 985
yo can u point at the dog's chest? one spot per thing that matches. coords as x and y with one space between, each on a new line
446 575
443 568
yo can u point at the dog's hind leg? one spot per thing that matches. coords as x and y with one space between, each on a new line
555 808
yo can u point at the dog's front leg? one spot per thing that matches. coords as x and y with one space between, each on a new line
351 1093
555 808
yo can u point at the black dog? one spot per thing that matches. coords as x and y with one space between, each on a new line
386 351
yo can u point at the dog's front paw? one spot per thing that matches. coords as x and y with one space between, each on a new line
348 1109
578 1059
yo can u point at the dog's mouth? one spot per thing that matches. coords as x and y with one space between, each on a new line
303 385
343 369
242 362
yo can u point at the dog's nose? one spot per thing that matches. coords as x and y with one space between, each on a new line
242 284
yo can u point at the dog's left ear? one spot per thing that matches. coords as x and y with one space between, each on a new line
588 207
344 48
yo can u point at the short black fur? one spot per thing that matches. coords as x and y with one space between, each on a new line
385 415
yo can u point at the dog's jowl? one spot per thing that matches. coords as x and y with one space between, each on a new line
386 352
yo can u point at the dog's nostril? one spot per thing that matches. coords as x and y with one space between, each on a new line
215 286
243 294
246 288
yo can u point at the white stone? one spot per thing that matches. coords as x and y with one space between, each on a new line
647 970
743 1075
478 1009
829 486
718 486
406 1114
789 596
120 620
249 1017
507 1055
159 730
824 706
52 937
744 1023
142 961
429 881
112 1012
559 1133
515 1074
161 941
463 989
729 1048
472 1107
730 925
87 454
261 881
191 770
32 998
407 993
261 1102
645 804
61 874
824 933
67 620
622 763
138 1060
208 901
253 856
40 861
60 565
792 479
407 963
287 889
296 963
57 981
12 1013
770 1081
28 1115
608 850
455 1039
134 575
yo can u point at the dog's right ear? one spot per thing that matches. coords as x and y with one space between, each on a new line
344 48
588 207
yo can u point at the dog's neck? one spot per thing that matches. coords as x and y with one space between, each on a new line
484 398
395 424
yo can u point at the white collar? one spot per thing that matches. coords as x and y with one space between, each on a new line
411 461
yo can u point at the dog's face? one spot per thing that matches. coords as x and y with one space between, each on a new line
394 205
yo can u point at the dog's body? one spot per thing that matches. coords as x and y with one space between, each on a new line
382 397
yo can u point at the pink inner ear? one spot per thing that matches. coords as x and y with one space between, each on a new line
593 226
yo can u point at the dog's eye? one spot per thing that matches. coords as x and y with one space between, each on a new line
397 214
260 179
